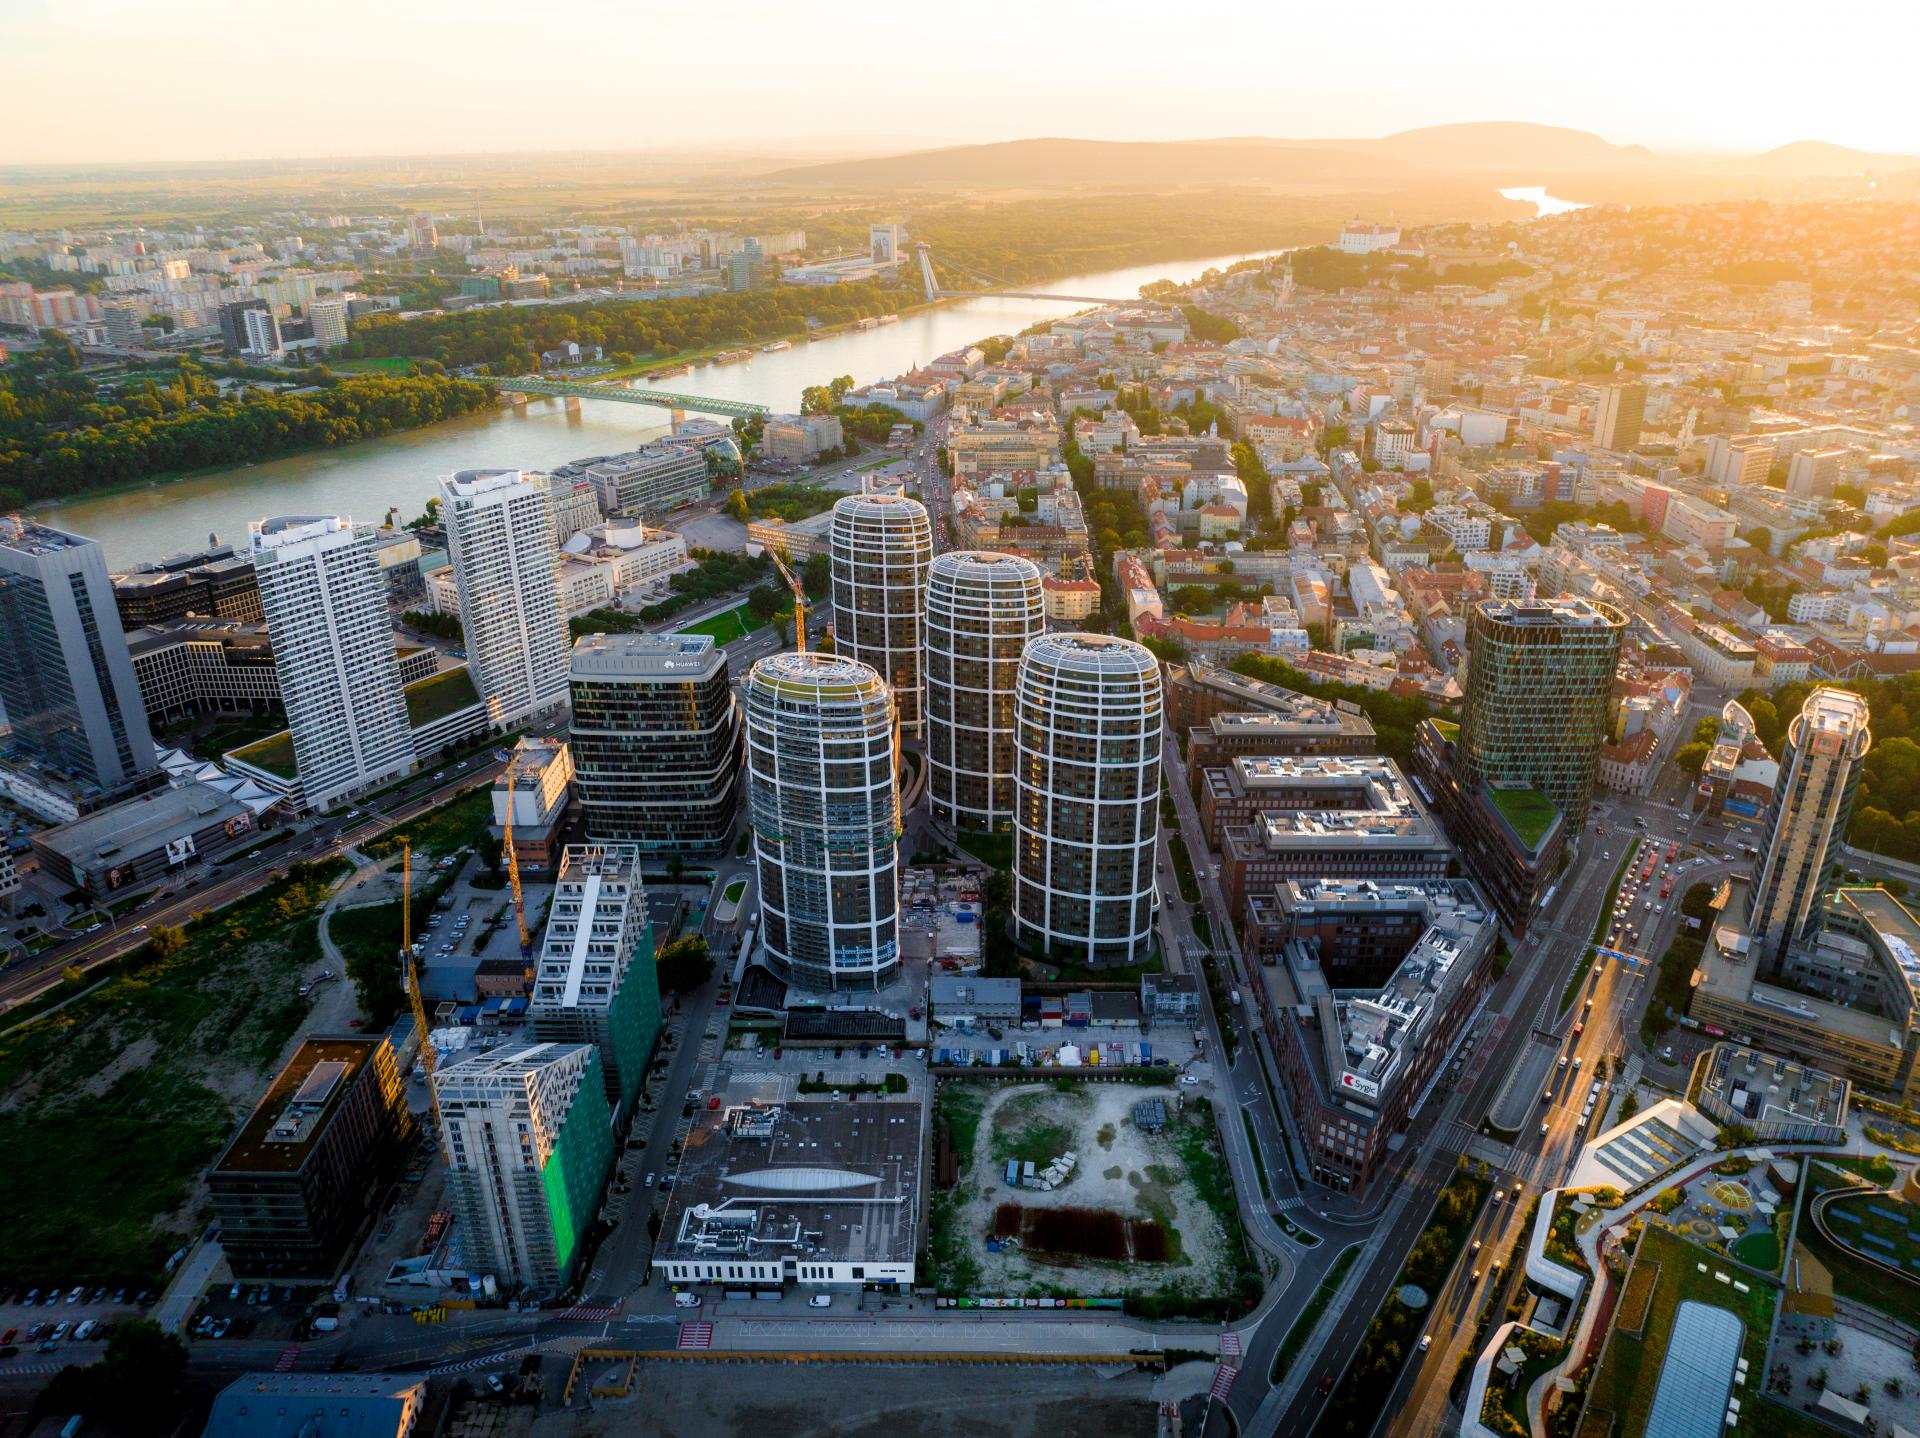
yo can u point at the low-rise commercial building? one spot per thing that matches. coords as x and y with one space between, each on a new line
318 1405
294 1186
139 841
1779 1099
805 1192
957 1001
536 786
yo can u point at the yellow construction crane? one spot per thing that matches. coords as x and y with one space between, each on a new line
799 601
420 1024
511 775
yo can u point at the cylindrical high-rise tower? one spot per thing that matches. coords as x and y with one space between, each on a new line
982 608
881 546
1087 728
825 811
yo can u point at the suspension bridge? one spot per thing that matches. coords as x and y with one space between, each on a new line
928 283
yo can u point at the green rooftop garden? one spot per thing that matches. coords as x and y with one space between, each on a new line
447 692
274 754
1528 812
1449 730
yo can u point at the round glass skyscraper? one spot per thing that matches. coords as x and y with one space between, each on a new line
824 807
881 545
1088 721
982 608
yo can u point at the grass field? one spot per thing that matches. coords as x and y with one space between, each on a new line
1630 1370
384 364
726 626
115 1104
454 825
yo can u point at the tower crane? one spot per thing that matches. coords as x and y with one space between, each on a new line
427 1055
513 861
800 605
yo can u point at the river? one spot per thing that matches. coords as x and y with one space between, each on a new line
1543 203
401 470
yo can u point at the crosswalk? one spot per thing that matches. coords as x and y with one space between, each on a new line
588 1312
1223 1377
696 1335
1229 1344
1291 1205
288 1357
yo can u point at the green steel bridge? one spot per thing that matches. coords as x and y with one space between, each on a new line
619 393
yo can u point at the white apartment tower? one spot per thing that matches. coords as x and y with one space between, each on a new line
824 805
982 608
881 546
527 1136
500 540
1088 723
326 605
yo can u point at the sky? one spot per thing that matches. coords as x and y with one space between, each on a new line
173 80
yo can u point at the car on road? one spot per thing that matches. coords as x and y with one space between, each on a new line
494 1385
1426 1342
1326 1383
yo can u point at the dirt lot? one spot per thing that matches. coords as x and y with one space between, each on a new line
1128 1219
675 1400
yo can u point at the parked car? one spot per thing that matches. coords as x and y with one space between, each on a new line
820 1300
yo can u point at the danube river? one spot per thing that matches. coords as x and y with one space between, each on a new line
1542 202
400 471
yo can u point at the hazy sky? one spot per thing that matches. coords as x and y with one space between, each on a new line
90 80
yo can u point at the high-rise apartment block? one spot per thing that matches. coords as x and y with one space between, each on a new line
326 605
528 1141
982 608
823 800
1820 766
65 677
329 321
882 545
500 540
1539 674
596 982
1088 724
655 740
1619 415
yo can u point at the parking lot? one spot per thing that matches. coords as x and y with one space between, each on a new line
49 1319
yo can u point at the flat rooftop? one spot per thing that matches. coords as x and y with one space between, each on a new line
281 1131
1556 613
31 537
643 656
1769 1089
124 831
828 1182
1378 806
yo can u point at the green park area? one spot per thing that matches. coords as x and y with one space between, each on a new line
1528 812
454 825
447 692
1668 1271
726 626
113 1102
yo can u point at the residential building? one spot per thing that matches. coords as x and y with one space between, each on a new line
234 335
982 608
1719 657
329 321
296 1183
326 605
528 1142
596 983
500 540
1619 415
67 684
1812 473
823 801
1539 676
260 334
1088 724
655 740
882 545
1821 762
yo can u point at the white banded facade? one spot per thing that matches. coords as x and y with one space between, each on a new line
824 807
881 546
1088 722
982 608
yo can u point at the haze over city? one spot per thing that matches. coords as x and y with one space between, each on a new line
465 76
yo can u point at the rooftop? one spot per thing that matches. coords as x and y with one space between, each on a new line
1528 812
281 1131
1555 613
273 753
317 1405
827 1182
1769 1089
643 656
123 831
447 692
32 537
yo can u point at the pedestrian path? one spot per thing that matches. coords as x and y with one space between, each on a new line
1223 1377
696 1335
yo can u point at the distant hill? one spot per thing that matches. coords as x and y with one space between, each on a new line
1817 157
1512 151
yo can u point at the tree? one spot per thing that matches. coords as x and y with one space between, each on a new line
137 1387
166 941
492 849
685 964
817 577
737 505
763 603
1691 756
1629 1106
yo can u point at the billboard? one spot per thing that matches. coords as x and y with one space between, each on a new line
180 850
238 825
